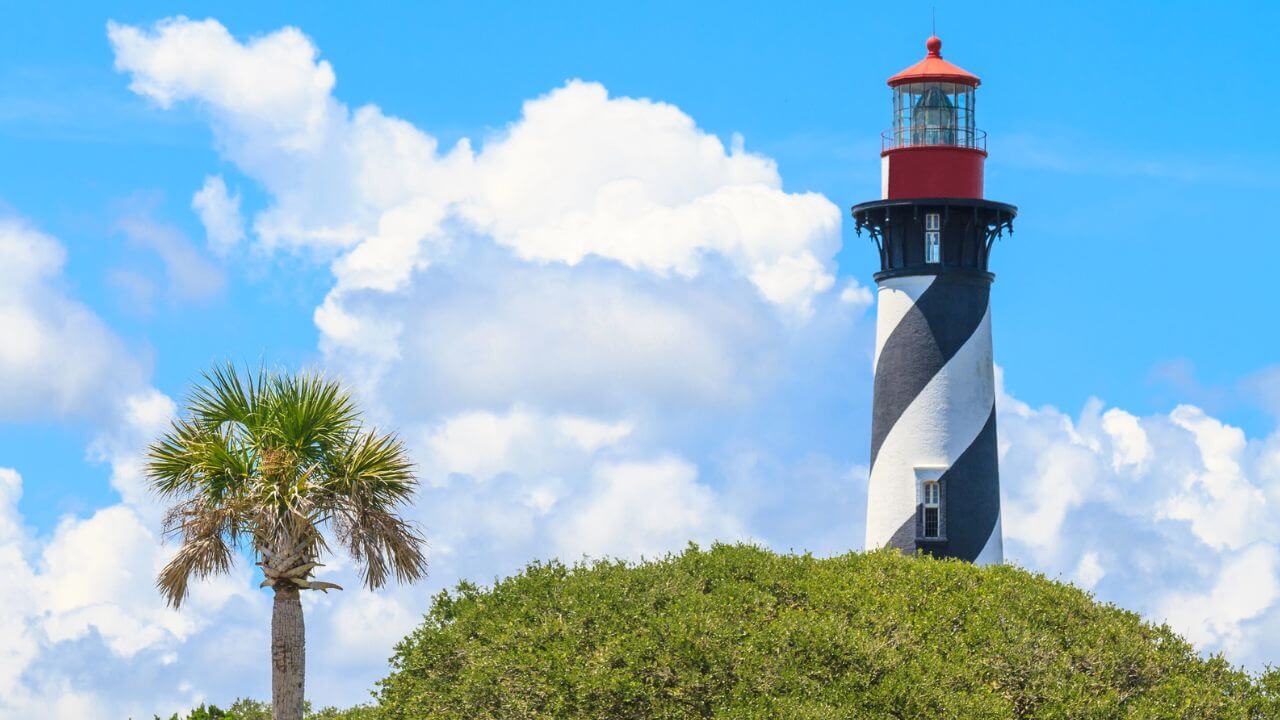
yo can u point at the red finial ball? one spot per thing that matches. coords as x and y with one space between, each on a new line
934 45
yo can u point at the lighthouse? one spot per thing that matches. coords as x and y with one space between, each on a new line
934 484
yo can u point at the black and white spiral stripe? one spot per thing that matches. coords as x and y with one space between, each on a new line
934 414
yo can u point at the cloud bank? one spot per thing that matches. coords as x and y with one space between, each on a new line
79 603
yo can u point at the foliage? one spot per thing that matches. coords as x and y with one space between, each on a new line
272 460
245 709
739 632
362 712
204 712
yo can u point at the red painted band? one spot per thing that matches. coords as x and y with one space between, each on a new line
934 171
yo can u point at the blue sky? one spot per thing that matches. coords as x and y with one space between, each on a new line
1123 138
558 338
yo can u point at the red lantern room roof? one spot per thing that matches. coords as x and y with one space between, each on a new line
934 68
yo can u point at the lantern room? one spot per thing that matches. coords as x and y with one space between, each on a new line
934 149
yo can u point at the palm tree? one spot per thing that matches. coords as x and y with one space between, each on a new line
277 464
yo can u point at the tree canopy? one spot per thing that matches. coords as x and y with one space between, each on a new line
741 632
275 458
245 709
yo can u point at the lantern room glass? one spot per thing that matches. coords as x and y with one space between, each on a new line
934 113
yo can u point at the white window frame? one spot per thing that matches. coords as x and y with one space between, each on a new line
933 221
932 493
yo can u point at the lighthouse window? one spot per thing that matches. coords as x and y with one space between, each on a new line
932 509
932 237
931 522
932 113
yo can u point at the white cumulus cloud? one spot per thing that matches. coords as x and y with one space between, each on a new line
1246 585
86 596
57 358
580 174
644 509
1172 515
219 212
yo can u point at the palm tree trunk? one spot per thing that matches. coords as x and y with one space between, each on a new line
288 655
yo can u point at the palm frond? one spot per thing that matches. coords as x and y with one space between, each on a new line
309 412
192 458
370 469
365 482
382 544
274 458
225 397
209 534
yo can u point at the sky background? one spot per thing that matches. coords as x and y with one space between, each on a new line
593 263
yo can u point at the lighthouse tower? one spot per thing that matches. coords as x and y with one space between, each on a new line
934 485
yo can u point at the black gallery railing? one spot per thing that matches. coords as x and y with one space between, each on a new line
920 135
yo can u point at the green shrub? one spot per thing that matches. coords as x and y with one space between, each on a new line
245 709
355 713
739 632
205 712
